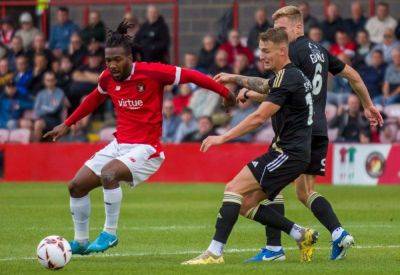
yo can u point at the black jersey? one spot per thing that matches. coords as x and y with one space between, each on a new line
292 124
315 62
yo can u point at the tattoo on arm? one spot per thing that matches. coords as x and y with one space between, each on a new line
258 84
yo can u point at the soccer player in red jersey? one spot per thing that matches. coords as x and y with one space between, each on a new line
136 90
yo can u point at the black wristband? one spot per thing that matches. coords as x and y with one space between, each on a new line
245 94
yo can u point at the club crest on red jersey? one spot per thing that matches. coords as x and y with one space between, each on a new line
140 87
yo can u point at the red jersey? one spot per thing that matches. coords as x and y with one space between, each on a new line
138 99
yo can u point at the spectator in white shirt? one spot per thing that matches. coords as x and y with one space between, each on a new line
377 25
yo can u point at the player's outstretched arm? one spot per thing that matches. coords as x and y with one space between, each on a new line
257 84
88 105
358 85
250 123
246 94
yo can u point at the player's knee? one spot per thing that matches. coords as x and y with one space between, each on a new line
75 189
108 177
231 187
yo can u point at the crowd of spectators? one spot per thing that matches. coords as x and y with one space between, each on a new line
41 82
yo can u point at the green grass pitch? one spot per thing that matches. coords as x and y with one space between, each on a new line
162 225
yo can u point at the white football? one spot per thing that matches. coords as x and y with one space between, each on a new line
54 252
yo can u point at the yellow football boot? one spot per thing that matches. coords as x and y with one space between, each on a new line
205 258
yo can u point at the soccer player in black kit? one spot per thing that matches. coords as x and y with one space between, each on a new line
315 62
289 104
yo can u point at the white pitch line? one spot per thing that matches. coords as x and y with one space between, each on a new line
232 250
189 227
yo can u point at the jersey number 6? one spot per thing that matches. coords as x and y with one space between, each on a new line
317 80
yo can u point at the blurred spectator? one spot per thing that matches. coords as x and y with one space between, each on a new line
340 88
39 68
240 114
187 126
7 31
242 66
261 25
221 63
316 35
357 21
388 133
16 49
377 25
12 107
48 106
23 76
388 44
170 121
129 17
343 45
64 74
61 32
207 53
76 50
351 122
153 37
391 86
94 30
84 78
94 46
39 47
308 20
5 74
233 47
364 47
203 102
373 75
190 61
181 101
332 23
27 31
205 128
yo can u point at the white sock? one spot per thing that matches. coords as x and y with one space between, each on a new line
216 248
336 233
80 210
273 248
296 232
112 204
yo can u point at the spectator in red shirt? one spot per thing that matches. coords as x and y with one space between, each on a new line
181 101
233 47
343 45
7 31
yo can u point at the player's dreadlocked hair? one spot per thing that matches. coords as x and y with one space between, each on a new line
120 38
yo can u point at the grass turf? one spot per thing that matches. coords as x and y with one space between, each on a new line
163 225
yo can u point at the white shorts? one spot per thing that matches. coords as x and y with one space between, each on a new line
137 157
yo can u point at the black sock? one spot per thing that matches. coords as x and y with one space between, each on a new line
274 235
266 215
227 216
323 211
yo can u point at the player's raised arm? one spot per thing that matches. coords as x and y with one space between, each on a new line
257 84
88 105
358 85
250 123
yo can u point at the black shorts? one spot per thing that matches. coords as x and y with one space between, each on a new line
319 149
274 171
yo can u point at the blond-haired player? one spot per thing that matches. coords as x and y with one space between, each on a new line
315 62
